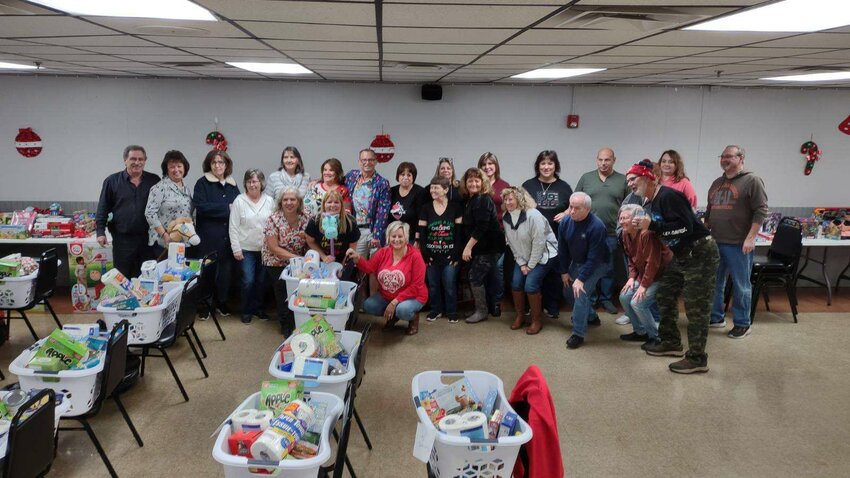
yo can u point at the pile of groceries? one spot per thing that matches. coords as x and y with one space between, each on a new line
455 409
75 347
320 294
15 265
314 350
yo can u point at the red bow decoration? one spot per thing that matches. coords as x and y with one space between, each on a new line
812 152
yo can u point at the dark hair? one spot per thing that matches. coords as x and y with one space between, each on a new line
134 147
252 173
177 157
228 163
441 181
677 160
406 166
551 155
367 150
299 168
475 173
490 157
336 167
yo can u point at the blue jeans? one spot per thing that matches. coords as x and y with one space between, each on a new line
533 282
442 280
376 305
606 285
734 263
583 307
553 289
253 280
496 283
640 313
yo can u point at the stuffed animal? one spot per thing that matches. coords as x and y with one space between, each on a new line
183 230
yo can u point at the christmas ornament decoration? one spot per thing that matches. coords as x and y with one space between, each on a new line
28 143
216 139
383 147
812 152
844 126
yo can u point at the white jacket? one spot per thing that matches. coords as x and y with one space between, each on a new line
247 221
531 239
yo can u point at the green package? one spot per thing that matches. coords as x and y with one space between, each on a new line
275 395
9 268
322 331
60 345
47 364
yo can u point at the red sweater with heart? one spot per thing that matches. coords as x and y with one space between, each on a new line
402 281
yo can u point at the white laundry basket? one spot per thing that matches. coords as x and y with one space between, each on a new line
78 387
240 466
17 292
292 282
166 287
336 317
146 323
334 384
455 456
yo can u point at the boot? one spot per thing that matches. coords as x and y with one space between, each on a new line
536 302
479 295
413 326
519 307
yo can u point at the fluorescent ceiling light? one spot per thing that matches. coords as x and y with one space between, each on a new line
787 16
15 66
282 68
167 9
833 76
555 73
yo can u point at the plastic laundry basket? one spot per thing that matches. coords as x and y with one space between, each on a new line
17 292
334 384
79 387
336 317
292 282
146 323
455 456
241 467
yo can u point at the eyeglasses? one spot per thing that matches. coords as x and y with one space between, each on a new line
369 160
728 156
632 179
217 161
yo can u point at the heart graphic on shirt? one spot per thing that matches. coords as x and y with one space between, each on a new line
391 281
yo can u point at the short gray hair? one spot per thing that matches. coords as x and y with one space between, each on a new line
254 173
584 197
398 225
630 208
741 151
135 147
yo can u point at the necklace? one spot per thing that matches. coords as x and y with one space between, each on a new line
545 188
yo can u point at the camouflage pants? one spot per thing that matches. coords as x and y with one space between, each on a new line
692 273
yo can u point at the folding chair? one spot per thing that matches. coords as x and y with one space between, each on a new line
207 295
31 444
45 286
780 266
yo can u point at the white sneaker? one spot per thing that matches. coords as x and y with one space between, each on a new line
623 320
717 325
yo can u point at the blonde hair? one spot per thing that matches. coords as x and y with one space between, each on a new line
450 161
345 220
288 190
393 226
524 201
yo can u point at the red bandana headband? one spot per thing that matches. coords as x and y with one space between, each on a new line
642 170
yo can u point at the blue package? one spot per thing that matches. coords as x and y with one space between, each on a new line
343 359
285 367
490 402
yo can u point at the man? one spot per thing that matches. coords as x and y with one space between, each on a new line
125 195
583 254
691 271
607 188
737 206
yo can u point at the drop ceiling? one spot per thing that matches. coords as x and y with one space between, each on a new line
464 41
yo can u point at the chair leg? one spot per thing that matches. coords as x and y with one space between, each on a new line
99 448
347 461
174 373
198 340
29 325
127 419
144 359
197 355
2 377
766 300
52 312
792 299
362 430
215 320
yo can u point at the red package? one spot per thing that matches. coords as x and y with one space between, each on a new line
240 443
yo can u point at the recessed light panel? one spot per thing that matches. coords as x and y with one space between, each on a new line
168 9
555 73
787 16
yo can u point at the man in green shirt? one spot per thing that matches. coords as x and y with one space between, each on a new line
607 189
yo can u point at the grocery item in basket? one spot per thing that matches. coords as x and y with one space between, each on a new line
307 447
300 410
176 255
116 279
322 331
312 264
275 395
310 367
276 442
4 426
62 346
81 331
508 427
28 266
14 400
494 424
240 443
251 420
491 402
456 397
303 345
9 266
470 424
148 270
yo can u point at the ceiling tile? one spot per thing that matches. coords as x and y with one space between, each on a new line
141 26
103 40
675 3
296 12
707 39
538 36
665 51
558 50
460 16
201 42
446 35
124 50
47 26
811 40
518 60
479 2
301 45
211 52
434 48
35 50
296 31
832 55
754 52
427 58
342 55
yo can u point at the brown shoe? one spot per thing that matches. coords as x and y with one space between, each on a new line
413 326
535 302
519 307
390 323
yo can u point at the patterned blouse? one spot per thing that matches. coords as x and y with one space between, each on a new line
316 196
167 201
288 237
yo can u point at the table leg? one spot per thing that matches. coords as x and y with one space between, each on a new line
843 275
822 263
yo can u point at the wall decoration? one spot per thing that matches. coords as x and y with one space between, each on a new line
28 143
383 147
216 139
812 152
844 126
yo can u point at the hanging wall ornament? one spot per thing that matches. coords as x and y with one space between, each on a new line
216 139
28 143
844 126
812 152
383 147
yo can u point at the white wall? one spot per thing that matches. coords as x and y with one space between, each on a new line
86 123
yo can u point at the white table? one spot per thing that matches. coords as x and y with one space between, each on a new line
826 244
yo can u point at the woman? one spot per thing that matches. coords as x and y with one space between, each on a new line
248 217
535 250
214 193
486 241
647 259
406 198
168 200
552 196
439 241
401 279
446 169
284 239
489 163
333 179
290 173
673 175
347 231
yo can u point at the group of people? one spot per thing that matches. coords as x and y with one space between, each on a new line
558 243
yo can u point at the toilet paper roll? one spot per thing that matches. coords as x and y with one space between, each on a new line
474 425
295 266
451 424
301 410
241 417
303 345
312 264
258 422
328 289
269 447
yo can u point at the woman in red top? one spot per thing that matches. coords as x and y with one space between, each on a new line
401 279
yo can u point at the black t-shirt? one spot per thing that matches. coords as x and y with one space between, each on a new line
341 243
440 242
552 198
406 209
673 219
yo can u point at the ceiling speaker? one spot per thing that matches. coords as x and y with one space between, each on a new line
432 92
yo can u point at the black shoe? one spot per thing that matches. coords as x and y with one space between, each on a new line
689 365
453 318
594 322
432 316
203 315
665 349
650 343
634 337
739 332
496 311
575 342
552 314
222 310
262 316
246 319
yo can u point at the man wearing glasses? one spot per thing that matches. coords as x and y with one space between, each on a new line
370 198
737 206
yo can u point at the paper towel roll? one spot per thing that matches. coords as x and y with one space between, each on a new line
269 447
303 345
328 289
239 420
312 263
474 425
274 444
295 266
301 410
451 424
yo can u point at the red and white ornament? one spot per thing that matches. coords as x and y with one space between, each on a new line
28 143
383 147
844 126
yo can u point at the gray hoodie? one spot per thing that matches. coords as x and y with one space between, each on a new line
531 239
734 205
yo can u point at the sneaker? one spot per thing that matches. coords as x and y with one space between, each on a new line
453 318
575 342
665 349
223 310
609 307
689 365
246 319
649 343
634 337
432 316
552 315
717 325
203 315
623 320
594 322
739 332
